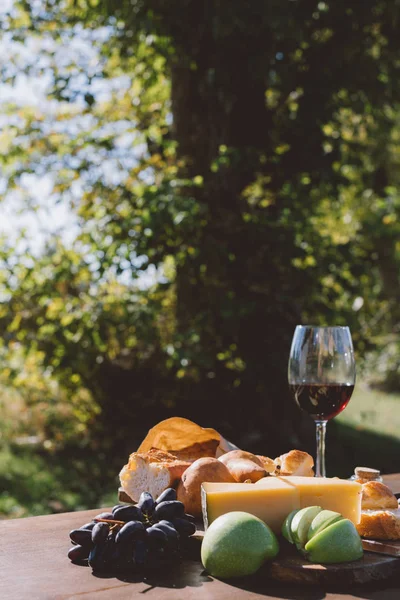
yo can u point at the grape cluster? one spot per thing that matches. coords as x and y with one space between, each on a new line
134 536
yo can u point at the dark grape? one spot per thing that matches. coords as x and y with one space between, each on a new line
83 537
168 494
169 509
170 531
140 552
100 532
130 531
78 553
184 527
100 556
156 537
146 502
148 538
121 558
128 513
104 515
88 525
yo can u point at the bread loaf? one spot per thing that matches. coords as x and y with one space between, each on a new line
243 466
182 438
380 513
380 524
377 495
268 464
189 488
295 462
152 471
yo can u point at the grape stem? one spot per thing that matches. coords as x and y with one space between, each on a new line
110 521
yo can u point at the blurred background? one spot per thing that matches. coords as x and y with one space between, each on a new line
181 184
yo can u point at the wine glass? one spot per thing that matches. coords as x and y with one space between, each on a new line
321 376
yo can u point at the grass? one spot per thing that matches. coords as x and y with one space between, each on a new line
373 411
366 433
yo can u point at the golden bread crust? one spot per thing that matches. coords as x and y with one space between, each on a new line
159 456
152 471
380 513
243 469
243 466
380 524
377 495
181 437
242 454
295 462
268 463
189 488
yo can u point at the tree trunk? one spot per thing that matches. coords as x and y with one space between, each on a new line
231 290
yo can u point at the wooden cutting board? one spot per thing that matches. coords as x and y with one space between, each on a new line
290 566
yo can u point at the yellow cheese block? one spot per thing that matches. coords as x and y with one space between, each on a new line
340 495
273 498
271 504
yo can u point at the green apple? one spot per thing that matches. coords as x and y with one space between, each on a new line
301 523
337 543
286 526
237 544
322 520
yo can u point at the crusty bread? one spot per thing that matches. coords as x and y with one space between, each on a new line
189 488
380 513
268 464
295 462
243 466
182 438
152 471
380 524
243 470
377 495
243 454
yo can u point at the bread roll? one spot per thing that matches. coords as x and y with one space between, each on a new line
189 488
295 462
268 464
243 470
377 495
380 524
243 466
182 438
243 454
380 513
152 471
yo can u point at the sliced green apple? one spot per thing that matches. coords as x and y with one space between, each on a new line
337 543
321 521
286 526
301 523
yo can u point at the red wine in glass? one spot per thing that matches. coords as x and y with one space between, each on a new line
321 374
322 402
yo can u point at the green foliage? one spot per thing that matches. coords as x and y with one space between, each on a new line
243 156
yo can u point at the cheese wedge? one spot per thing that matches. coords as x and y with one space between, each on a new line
272 504
273 498
331 493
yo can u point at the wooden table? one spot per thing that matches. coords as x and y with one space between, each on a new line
34 565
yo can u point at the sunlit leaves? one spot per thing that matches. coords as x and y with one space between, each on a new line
145 127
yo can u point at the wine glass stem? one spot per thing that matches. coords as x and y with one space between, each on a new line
320 462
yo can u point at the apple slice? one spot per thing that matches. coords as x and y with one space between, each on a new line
286 526
301 523
322 520
337 543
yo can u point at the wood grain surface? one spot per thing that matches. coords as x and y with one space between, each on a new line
34 565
